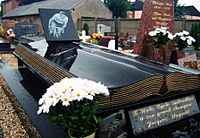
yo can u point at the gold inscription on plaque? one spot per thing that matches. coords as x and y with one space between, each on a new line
169 4
164 113
157 3
157 14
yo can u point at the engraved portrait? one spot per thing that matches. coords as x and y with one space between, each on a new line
57 24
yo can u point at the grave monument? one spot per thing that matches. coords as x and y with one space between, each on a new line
132 83
60 34
156 14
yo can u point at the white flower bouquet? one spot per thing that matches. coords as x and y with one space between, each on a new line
160 36
183 39
73 103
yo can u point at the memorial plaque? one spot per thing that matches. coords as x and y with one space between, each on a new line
25 28
154 116
156 14
102 28
58 25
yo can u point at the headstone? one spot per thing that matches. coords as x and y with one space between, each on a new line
102 28
156 14
157 115
25 28
58 25
60 33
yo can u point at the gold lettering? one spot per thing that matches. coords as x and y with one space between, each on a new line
157 14
167 15
180 115
158 122
150 116
169 4
163 112
157 3
167 8
157 7
153 18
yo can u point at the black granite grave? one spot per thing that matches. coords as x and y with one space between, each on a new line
4 45
114 69
1 133
98 64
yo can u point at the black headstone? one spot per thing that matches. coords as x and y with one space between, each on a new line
58 25
25 28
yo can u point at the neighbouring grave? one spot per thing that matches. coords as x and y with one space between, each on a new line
25 28
102 28
4 45
156 14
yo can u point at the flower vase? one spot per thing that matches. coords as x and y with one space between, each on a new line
180 53
89 136
159 54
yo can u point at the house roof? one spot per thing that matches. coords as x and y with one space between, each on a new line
191 10
137 5
32 9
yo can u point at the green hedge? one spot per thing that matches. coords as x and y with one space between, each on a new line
195 32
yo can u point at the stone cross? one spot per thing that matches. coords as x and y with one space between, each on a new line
84 37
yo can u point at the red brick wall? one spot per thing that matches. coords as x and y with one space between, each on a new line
7 24
11 5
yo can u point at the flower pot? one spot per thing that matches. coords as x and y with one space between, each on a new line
159 54
89 136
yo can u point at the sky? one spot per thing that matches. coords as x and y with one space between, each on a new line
195 3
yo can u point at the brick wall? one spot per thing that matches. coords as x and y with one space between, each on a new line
7 24
10 5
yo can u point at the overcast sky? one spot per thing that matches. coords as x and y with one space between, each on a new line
196 3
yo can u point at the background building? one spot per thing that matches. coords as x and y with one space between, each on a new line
29 13
190 12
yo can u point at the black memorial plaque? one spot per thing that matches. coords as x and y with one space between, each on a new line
154 116
25 28
58 25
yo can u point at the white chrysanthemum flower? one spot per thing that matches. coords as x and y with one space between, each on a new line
189 42
153 33
183 38
191 38
180 34
163 28
69 90
170 36
185 32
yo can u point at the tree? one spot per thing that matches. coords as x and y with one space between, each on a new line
195 33
118 7
86 28
178 10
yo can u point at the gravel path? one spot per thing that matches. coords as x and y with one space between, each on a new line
9 120
14 122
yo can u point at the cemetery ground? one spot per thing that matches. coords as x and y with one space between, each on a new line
20 91
14 121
